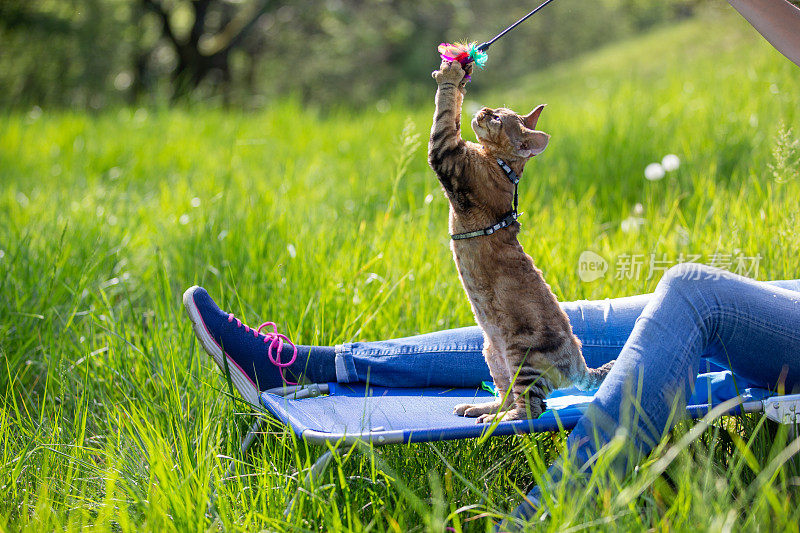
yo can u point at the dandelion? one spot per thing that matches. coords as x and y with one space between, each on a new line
195 202
631 224
670 162
184 219
654 171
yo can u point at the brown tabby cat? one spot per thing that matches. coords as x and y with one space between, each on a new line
528 341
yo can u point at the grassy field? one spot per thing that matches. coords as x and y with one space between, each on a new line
331 223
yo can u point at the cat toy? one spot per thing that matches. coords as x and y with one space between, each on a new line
466 53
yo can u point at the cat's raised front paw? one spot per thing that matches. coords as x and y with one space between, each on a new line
449 72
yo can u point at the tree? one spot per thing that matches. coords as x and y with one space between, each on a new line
203 49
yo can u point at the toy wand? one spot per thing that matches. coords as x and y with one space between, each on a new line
475 53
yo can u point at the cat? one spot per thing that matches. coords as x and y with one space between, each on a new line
528 341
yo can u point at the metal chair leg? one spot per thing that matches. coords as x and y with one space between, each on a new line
316 471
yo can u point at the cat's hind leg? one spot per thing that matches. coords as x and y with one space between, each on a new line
499 371
592 378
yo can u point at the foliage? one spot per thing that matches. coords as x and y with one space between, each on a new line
112 417
89 53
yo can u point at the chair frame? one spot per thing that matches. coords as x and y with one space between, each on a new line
783 409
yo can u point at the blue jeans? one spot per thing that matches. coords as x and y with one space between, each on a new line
698 316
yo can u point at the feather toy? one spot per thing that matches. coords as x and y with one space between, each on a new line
464 53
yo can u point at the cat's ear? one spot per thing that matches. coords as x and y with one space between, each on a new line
533 143
532 118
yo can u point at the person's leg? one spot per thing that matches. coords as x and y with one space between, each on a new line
454 358
447 358
451 358
751 327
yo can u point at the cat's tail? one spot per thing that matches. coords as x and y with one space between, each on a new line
593 377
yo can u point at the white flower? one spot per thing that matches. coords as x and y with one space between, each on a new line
184 219
654 171
670 162
631 224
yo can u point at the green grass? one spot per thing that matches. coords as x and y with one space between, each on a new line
112 417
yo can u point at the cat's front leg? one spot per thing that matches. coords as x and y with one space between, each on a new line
478 409
503 401
526 411
499 373
529 384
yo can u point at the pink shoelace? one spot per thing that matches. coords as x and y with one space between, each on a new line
275 341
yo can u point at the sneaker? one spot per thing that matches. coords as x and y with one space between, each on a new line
240 351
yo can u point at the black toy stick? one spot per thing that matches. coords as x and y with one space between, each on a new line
485 46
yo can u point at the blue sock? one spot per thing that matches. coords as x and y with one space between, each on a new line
316 364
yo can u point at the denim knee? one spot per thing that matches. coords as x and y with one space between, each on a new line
696 279
695 289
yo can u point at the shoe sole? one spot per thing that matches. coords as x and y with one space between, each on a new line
240 380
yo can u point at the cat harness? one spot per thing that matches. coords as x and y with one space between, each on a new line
509 217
